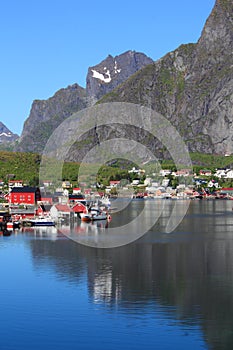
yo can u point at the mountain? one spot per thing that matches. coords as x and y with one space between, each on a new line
46 115
111 72
6 136
191 86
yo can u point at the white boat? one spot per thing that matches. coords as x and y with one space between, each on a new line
42 221
93 214
97 214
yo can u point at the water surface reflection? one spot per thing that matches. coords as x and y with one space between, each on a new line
187 275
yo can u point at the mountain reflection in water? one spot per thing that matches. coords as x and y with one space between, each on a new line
187 275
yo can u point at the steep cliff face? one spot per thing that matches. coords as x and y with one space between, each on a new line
193 86
112 71
46 115
213 67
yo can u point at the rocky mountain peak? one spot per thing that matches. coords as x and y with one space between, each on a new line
112 71
217 36
6 136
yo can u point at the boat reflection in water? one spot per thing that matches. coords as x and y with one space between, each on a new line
43 232
84 231
5 232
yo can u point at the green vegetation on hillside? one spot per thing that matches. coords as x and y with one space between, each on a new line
25 166
19 166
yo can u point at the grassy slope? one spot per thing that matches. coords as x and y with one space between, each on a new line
25 166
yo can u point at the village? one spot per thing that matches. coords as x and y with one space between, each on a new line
21 204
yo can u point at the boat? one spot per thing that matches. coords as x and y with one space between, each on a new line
97 214
94 213
42 221
86 217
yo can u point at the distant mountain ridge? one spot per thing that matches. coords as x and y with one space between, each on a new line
6 136
191 86
46 115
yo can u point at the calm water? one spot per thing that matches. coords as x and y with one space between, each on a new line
164 291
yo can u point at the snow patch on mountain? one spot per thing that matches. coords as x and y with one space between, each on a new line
5 134
116 70
101 76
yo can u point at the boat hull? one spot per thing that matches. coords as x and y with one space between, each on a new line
43 223
99 217
85 217
90 217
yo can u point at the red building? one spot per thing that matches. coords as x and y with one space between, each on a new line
24 195
47 198
79 208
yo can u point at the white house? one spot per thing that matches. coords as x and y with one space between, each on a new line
135 182
165 172
136 171
165 182
61 211
221 173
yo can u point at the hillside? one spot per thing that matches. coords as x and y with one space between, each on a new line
25 166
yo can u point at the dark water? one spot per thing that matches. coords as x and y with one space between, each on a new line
164 291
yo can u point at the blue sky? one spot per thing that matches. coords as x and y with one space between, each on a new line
47 45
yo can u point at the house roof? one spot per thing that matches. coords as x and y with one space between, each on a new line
46 207
63 207
24 189
46 196
76 196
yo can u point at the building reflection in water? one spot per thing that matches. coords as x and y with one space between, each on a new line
187 274
105 288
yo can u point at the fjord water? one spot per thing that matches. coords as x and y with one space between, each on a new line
164 291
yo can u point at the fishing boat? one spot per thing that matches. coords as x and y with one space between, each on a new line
42 221
94 213
97 214
86 217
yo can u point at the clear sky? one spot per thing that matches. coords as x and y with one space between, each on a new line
49 44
